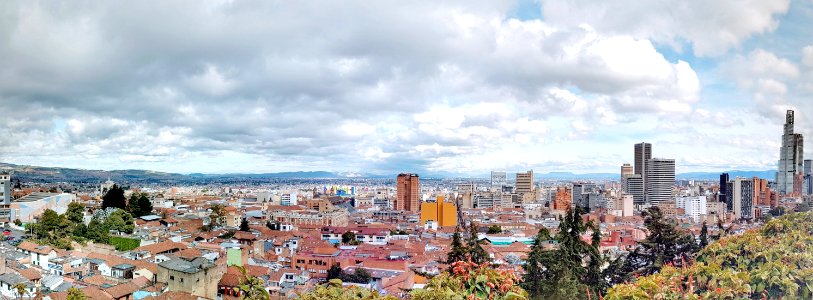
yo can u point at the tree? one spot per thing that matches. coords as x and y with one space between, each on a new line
75 213
348 237
469 280
244 225
704 235
121 221
139 204
476 252
114 198
665 245
335 272
458 252
21 289
97 231
494 229
333 290
76 294
252 287
218 212
561 273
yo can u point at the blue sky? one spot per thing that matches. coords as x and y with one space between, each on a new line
384 87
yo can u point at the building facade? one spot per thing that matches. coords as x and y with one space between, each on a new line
498 180
444 213
643 153
408 193
525 182
659 180
634 185
694 207
790 157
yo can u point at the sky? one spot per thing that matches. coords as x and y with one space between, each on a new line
378 87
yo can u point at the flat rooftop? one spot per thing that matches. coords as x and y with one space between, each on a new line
35 197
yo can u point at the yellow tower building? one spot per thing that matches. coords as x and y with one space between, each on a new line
442 212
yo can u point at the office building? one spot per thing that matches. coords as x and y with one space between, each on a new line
694 207
790 158
659 180
5 197
563 200
634 186
643 153
441 212
525 182
808 177
724 179
626 171
498 180
740 198
627 206
408 193
762 194
288 199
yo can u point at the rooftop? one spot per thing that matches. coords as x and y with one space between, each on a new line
191 267
36 197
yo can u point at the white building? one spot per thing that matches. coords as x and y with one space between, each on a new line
288 199
694 207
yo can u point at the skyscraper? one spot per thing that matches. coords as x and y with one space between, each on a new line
643 153
634 185
626 171
659 180
723 187
808 177
740 200
790 157
498 180
525 182
408 193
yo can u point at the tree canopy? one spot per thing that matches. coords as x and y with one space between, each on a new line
139 205
114 198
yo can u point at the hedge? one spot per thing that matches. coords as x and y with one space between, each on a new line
124 244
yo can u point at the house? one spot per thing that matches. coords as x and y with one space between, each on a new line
39 254
198 277
9 280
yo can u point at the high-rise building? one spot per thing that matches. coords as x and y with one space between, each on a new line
498 180
694 207
790 157
408 193
525 182
659 180
626 171
563 199
762 195
724 179
634 186
643 153
444 213
5 188
740 200
808 182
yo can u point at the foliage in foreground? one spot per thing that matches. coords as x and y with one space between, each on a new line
333 290
470 280
775 262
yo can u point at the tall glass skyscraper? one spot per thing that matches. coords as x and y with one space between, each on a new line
790 157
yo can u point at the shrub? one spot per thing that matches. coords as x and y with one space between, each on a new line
124 244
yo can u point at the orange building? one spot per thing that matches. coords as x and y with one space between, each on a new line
762 195
442 212
408 193
563 199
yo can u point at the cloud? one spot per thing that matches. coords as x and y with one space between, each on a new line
712 28
354 86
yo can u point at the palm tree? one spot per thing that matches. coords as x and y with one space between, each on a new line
253 288
21 289
76 294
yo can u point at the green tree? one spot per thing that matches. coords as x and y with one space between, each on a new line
664 245
348 237
76 294
252 287
564 272
244 225
335 272
121 221
75 213
704 235
97 231
458 252
475 247
21 289
333 290
114 198
217 215
494 229
139 204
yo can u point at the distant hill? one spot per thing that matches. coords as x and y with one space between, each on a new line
55 174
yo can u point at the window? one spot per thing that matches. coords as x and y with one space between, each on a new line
171 277
181 279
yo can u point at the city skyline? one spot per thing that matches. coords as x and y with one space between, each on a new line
421 88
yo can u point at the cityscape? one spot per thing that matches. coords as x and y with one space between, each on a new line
498 150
